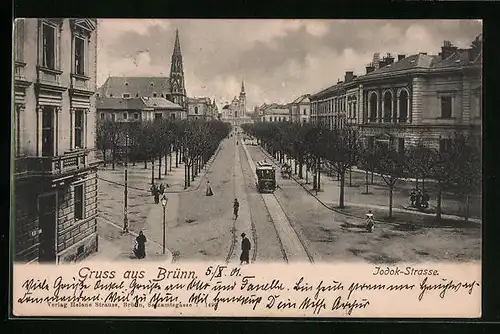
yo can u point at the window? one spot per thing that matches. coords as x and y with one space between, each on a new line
125 115
49 46
113 117
445 144
196 110
136 116
172 115
78 128
154 94
48 131
79 55
78 201
403 106
446 106
126 95
305 112
162 95
158 115
102 115
19 39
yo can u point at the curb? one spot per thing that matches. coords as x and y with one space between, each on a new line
167 251
456 218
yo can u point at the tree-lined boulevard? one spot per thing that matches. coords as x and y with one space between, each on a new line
201 227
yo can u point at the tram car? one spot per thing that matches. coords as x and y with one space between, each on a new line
266 177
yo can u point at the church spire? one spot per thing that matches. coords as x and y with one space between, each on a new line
177 87
242 87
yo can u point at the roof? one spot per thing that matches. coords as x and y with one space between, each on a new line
422 61
160 103
301 99
119 103
199 100
225 107
143 86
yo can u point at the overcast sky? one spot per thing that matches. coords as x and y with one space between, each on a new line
278 59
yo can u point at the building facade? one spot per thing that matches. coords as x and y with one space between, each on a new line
137 109
202 108
235 112
275 113
300 109
168 91
55 169
421 97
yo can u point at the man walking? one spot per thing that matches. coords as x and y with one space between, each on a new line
245 249
236 208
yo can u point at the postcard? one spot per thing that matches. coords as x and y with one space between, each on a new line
246 168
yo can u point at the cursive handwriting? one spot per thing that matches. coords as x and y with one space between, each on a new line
445 287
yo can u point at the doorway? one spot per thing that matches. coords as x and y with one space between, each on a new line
47 215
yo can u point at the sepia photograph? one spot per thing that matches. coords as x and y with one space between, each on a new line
178 142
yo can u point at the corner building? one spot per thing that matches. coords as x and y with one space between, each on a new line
422 97
55 170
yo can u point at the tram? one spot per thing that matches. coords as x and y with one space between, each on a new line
266 177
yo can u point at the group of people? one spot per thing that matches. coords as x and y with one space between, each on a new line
158 190
418 199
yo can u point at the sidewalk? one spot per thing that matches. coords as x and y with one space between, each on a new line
377 199
114 245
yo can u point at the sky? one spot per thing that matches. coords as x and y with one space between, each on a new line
279 60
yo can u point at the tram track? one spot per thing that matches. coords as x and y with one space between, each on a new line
292 246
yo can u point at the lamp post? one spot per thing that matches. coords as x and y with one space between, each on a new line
125 191
164 202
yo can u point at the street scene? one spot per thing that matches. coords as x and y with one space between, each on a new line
247 141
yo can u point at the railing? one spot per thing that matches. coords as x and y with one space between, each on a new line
53 166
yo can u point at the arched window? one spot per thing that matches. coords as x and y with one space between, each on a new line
373 107
196 110
387 106
403 106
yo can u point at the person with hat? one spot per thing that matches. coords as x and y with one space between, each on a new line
236 208
245 249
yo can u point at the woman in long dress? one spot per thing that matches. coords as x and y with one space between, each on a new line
209 191
140 249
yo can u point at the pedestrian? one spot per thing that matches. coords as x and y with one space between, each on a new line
152 188
209 191
162 188
140 246
156 194
236 208
418 199
245 249
369 221
412 197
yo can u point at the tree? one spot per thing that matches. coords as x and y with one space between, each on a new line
466 164
367 162
102 139
420 161
390 164
342 152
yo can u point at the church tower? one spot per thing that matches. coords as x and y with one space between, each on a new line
243 100
177 87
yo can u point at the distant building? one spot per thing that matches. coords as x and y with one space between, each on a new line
419 97
300 109
137 109
235 112
202 108
275 113
167 91
55 176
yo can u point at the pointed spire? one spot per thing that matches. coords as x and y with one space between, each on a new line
177 44
242 86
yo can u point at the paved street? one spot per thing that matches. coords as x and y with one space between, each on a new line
287 226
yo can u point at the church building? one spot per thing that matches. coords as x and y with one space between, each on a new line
117 92
235 112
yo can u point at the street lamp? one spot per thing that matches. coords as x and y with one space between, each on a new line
164 201
125 191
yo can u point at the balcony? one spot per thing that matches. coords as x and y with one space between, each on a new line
65 164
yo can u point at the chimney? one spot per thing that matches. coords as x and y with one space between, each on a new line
349 76
370 68
401 57
447 49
